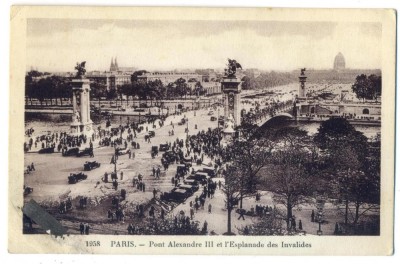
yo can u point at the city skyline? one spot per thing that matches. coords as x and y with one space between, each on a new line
168 45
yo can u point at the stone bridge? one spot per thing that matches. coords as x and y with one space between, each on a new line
284 112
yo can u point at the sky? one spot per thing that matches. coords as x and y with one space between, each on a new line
57 44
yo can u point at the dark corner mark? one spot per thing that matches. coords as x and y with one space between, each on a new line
47 222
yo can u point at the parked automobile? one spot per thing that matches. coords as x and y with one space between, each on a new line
210 113
71 152
151 134
194 187
189 188
90 165
182 122
122 151
85 152
213 118
154 150
176 195
164 147
169 156
209 170
181 169
191 182
201 177
74 178
46 150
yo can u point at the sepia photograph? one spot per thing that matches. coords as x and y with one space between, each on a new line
194 126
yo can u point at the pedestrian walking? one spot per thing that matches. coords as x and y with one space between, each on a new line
312 216
209 208
82 228
241 212
191 213
300 225
122 175
87 229
293 223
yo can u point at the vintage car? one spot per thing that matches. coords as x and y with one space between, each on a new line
191 182
122 151
154 150
181 169
209 170
182 122
189 188
71 152
90 165
169 156
74 178
151 134
193 188
201 177
164 147
211 113
85 152
186 160
176 195
46 150
213 118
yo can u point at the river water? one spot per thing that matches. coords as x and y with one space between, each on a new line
42 123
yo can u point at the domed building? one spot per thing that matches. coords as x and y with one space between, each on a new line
339 63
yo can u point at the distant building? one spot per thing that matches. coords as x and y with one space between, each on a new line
169 77
114 67
111 80
339 63
211 87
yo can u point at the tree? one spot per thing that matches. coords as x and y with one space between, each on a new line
288 178
98 90
231 189
367 87
182 88
246 83
112 94
268 225
354 168
136 74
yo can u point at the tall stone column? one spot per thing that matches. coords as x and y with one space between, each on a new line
231 87
81 122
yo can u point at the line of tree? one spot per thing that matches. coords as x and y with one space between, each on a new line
367 87
156 90
42 86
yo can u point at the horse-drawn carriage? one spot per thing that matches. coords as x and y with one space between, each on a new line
90 165
76 177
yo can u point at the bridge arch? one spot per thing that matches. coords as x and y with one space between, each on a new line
276 117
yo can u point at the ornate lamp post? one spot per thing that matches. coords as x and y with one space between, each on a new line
320 208
319 218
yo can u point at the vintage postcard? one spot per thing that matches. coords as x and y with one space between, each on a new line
201 131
